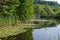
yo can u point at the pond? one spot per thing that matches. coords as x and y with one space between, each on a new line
48 33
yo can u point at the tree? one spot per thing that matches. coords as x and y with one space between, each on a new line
8 7
26 9
58 12
49 10
8 11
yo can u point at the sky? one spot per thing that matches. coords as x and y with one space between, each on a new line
55 0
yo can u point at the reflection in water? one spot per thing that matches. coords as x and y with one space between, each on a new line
58 28
40 34
22 36
50 33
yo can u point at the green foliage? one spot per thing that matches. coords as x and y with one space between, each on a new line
8 6
41 9
21 36
13 10
26 10
47 10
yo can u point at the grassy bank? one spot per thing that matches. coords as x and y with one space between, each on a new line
13 29
21 36
13 26
20 27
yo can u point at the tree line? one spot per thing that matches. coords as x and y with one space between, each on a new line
47 10
13 10
21 8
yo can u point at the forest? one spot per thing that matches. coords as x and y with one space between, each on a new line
25 9
47 9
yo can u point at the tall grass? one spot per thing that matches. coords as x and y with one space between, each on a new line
11 25
8 20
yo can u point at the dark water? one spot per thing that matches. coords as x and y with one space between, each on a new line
49 33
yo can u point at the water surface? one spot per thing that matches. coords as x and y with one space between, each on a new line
48 33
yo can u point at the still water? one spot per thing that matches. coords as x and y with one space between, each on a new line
48 33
